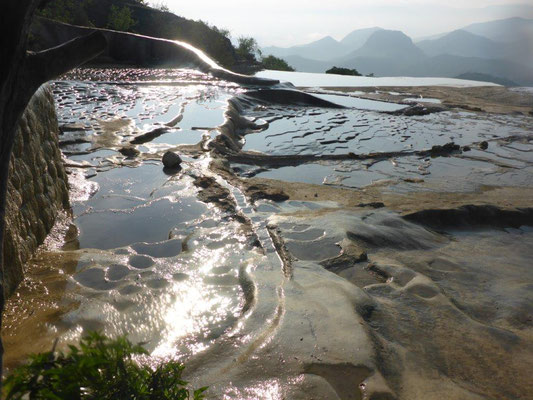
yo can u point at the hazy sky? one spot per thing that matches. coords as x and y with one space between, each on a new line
289 22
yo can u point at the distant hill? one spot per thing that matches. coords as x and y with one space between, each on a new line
388 44
510 39
358 38
462 43
307 65
475 76
464 51
441 66
504 30
451 66
323 49
515 33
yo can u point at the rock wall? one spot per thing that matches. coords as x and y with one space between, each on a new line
37 187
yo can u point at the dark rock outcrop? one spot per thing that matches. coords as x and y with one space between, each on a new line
290 97
210 191
444 150
37 186
259 192
473 216
417 110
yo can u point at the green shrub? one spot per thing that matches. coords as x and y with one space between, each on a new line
343 71
100 368
275 63
69 11
120 19
248 48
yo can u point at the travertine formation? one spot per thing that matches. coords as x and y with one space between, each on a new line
301 251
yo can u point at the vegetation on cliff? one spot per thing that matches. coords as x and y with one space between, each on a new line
476 76
156 20
275 63
120 19
99 368
135 16
248 49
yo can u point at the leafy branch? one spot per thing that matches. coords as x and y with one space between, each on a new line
99 368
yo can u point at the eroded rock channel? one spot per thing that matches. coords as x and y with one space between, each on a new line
309 246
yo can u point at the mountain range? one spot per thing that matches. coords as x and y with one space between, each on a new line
501 49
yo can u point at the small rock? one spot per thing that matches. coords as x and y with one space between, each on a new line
149 136
466 148
413 180
90 174
260 191
71 128
484 145
129 151
221 163
418 110
171 160
443 150
374 204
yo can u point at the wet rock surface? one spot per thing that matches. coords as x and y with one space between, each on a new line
301 251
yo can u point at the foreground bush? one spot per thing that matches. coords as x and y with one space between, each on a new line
100 368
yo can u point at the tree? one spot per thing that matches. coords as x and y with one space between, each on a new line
343 71
68 11
60 10
120 19
223 31
21 74
160 5
248 48
275 63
